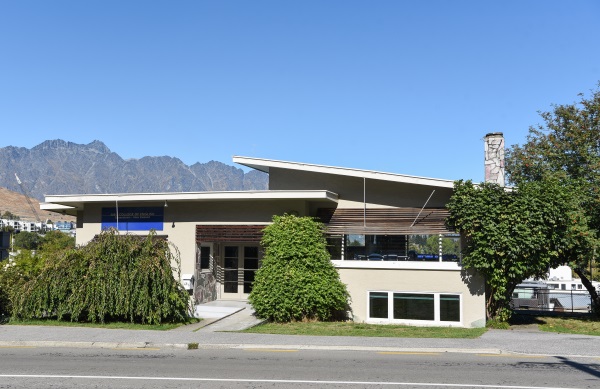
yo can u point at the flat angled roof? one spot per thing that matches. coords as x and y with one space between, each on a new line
73 202
265 164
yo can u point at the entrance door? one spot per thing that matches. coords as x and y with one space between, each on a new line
240 263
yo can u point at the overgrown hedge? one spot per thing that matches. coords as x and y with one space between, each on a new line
26 265
297 280
113 278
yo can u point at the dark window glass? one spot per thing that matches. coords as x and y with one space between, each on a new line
378 305
413 306
248 280
204 258
230 287
231 269
231 251
250 252
251 263
231 276
334 247
449 307
250 266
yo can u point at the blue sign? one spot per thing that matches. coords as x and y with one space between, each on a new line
133 218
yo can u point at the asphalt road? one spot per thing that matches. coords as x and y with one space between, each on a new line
281 368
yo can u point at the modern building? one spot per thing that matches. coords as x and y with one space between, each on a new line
386 233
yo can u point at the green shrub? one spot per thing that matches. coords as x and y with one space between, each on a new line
28 264
56 241
497 324
113 278
14 274
8 279
297 280
26 240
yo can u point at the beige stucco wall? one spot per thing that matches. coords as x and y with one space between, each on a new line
351 191
186 216
360 281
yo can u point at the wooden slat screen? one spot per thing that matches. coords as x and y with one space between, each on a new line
386 221
247 233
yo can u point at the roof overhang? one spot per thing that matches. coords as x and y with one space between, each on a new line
265 165
70 204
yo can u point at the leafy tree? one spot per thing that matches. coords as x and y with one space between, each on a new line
28 264
56 241
430 244
297 280
27 240
511 235
449 246
566 147
10 216
113 278
23 267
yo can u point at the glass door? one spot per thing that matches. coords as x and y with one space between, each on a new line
250 267
240 263
231 267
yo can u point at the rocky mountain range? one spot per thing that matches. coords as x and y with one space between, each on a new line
57 167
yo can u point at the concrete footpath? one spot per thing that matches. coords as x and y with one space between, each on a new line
215 332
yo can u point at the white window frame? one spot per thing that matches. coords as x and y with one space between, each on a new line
436 310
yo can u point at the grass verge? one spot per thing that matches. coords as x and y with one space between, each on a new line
572 325
584 325
362 329
115 325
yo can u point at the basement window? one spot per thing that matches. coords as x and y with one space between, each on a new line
390 307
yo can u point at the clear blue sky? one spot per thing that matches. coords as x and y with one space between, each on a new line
407 87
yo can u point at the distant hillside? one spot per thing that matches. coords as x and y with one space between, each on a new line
16 204
57 167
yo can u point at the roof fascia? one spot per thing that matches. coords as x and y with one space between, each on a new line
54 200
265 164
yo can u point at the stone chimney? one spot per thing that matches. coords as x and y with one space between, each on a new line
494 158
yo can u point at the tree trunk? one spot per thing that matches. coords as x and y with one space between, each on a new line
593 292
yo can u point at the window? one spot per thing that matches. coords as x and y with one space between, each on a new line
375 247
360 247
334 246
449 307
407 307
250 266
411 306
378 305
230 271
205 258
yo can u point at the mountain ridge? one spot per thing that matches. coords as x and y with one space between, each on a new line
56 167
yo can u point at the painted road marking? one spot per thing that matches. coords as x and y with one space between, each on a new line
136 348
241 380
406 353
271 350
